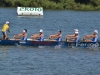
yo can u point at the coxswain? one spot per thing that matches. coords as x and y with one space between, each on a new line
5 28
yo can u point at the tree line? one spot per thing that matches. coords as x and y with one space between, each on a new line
54 4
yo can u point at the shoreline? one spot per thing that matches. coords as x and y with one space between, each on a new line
86 5
59 9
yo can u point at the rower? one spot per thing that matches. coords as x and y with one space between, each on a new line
92 38
56 37
73 38
22 36
5 28
75 30
38 37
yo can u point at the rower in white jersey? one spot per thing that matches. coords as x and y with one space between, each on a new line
56 37
73 37
92 38
38 37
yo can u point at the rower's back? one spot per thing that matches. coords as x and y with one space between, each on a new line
95 39
60 36
41 35
24 38
77 40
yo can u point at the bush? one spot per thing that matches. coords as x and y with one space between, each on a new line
54 4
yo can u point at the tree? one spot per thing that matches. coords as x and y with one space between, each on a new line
83 1
57 1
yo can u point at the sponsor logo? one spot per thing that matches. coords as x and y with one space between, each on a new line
30 9
87 44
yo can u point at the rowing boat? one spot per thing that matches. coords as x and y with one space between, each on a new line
30 42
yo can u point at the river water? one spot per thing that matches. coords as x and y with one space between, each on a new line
50 61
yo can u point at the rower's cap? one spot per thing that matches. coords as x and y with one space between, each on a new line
7 22
41 30
25 30
76 30
59 31
96 31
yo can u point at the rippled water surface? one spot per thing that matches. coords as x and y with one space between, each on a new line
46 60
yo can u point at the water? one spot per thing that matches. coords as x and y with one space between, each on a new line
50 61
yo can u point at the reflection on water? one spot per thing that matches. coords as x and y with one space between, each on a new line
4 50
40 16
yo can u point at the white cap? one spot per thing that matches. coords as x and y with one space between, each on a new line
76 30
96 31
23 30
59 30
41 30
7 22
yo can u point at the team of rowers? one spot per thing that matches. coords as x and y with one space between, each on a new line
55 37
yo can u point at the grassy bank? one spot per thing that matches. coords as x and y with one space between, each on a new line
54 4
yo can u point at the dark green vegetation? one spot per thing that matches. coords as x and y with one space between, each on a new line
54 4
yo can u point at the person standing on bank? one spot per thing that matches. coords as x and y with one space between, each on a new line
5 28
